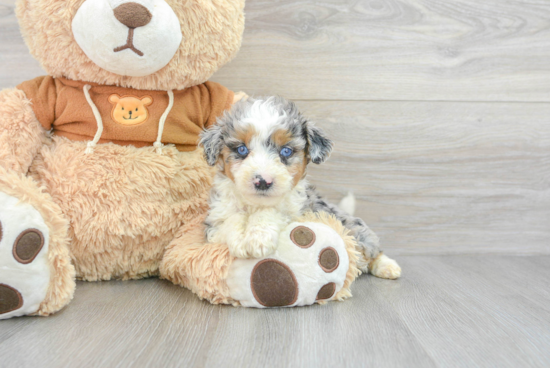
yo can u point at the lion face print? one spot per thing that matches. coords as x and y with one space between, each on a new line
130 110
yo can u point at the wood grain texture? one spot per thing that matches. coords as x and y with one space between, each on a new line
447 311
16 63
431 177
463 50
441 177
463 312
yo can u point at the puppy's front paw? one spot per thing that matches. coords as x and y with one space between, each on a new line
258 243
262 242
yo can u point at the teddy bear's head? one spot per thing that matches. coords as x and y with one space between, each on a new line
144 44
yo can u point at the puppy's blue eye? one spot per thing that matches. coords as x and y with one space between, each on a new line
242 150
286 152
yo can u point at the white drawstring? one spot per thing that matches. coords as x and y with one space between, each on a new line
97 116
158 143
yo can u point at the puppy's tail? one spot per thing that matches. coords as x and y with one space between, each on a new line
347 204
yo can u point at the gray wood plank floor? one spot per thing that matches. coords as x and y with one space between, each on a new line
447 311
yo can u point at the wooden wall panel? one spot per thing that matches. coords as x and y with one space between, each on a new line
16 64
462 50
440 110
444 177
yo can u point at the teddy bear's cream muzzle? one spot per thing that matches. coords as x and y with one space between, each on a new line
131 38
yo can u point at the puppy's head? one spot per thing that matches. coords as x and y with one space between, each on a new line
264 145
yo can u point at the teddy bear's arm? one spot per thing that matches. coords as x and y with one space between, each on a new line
21 135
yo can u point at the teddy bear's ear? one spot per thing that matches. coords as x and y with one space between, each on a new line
319 146
114 98
212 142
146 101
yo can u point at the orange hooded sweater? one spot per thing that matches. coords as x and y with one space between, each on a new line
127 116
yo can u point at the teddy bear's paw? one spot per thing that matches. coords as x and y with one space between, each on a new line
24 267
385 267
309 265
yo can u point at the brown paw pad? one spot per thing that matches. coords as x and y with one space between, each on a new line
327 291
27 246
274 284
328 259
10 299
303 237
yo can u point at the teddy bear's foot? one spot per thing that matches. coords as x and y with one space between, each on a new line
36 274
24 265
310 265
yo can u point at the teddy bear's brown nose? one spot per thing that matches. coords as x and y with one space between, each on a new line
132 15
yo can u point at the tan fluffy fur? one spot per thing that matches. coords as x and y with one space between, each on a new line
114 212
203 268
221 24
200 267
21 135
124 204
122 212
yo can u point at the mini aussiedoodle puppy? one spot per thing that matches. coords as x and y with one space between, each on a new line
262 147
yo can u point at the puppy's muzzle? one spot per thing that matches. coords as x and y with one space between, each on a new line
262 184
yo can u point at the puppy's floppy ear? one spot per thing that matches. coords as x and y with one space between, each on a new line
212 141
319 146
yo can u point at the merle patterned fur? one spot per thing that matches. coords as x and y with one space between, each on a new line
366 238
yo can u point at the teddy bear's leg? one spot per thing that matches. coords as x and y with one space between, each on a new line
36 275
315 261
200 267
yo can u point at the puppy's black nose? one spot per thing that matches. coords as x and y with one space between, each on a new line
261 184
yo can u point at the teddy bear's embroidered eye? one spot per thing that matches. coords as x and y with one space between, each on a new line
242 150
286 152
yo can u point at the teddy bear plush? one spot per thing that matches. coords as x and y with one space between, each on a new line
100 174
